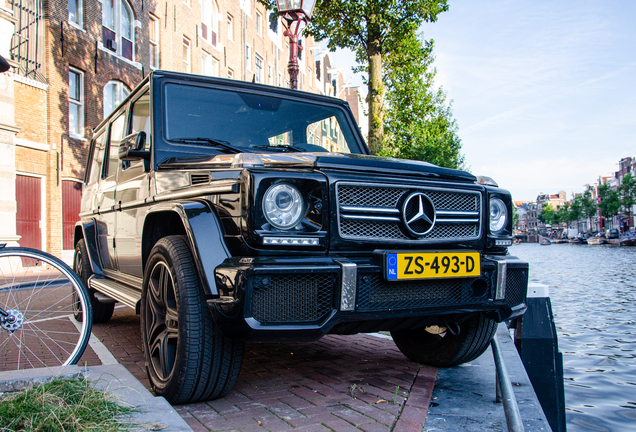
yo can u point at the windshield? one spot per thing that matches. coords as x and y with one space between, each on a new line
206 117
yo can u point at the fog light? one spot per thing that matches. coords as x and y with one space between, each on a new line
503 242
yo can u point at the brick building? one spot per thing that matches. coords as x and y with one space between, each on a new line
75 60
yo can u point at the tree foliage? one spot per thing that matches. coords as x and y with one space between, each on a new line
610 201
372 29
627 192
548 215
418 123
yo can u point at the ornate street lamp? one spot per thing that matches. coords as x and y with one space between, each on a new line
294 11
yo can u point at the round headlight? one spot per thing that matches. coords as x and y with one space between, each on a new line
283 206
498 215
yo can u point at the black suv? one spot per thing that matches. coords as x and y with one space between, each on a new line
226 212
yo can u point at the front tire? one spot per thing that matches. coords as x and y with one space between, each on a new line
187 357
447 349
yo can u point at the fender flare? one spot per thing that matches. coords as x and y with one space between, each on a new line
204 233
88 231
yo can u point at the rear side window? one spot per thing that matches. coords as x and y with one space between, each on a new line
117 132
97 164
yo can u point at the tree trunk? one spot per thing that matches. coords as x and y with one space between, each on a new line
375 97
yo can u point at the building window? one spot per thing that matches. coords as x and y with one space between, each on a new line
117 28
75 12
230 27
153 28
209 65
186 55
75 103
270 74
248 56
114 93
259 24
230 74
258 64
280 80
209 21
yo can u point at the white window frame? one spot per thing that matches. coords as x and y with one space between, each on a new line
79 13
154 41
259 71
209 65
259 24
248 56
270 74
210 19
230 27
79 133
118 25
119 93
187 61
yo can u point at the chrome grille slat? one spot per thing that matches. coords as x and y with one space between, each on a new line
458 213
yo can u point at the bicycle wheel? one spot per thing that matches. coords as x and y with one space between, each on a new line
38 296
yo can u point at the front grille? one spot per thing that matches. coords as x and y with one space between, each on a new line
374 213
516 284
375 294
304 298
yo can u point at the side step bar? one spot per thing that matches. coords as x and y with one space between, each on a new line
116 290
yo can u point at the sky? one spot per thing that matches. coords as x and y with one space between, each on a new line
543 92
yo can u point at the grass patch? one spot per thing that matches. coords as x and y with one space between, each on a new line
62 405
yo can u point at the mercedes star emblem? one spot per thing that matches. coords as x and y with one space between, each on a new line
418 214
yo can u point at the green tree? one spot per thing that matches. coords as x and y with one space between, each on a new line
610 202
576 211
548 215
418 123
627 192
372 29
563 214
589 206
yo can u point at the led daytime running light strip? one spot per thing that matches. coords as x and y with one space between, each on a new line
291 241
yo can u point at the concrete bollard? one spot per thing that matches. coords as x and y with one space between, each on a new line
537 342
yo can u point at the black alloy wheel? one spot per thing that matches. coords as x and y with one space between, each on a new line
187 357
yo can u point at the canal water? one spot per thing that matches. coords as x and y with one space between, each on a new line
593 294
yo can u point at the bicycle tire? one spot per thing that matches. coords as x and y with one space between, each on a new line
42 331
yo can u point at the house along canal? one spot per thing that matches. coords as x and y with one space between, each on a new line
593 294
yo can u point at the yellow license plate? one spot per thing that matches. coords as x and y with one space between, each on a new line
431 265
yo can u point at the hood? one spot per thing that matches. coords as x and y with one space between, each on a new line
320 161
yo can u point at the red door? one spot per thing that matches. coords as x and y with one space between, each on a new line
28 191
71 205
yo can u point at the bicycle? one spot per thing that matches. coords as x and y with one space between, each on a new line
42 322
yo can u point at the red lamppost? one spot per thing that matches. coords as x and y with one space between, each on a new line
294 11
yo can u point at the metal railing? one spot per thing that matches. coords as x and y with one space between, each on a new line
505 392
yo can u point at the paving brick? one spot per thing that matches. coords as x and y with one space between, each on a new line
341 426
353 417
407 426
374 427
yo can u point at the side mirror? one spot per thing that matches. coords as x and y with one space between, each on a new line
132 147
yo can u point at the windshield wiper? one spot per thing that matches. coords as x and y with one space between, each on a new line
208 142
283 148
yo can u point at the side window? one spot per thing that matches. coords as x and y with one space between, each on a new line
141 117
97 164
117 132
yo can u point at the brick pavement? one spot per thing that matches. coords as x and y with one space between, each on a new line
340 383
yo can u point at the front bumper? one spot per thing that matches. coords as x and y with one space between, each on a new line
273 299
